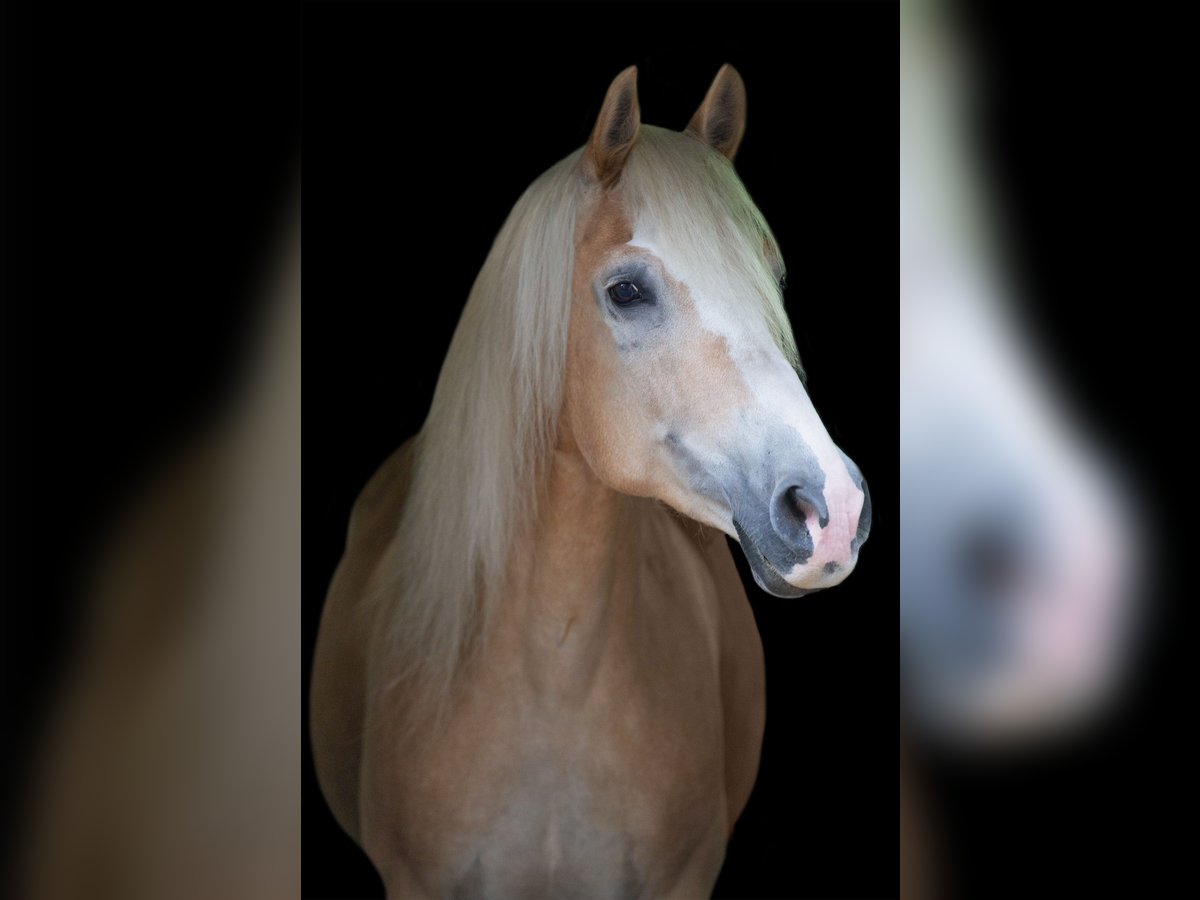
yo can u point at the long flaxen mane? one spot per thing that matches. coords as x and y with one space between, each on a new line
481 458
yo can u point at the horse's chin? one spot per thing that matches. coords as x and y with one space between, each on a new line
766 574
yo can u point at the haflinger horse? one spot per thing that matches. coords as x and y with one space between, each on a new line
537 673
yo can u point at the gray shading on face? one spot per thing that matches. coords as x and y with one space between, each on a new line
634 324
775 497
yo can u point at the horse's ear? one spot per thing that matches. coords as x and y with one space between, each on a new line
616 129
721 119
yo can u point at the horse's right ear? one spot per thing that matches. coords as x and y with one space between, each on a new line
721 119
616 130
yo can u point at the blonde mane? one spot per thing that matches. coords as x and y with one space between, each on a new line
481 457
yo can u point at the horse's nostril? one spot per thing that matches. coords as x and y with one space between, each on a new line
793 507
802 507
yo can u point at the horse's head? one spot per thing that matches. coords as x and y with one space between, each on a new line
681 368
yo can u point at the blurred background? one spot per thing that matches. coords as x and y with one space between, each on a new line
151 448
1044 538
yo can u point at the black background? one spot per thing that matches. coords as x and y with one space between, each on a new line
418 140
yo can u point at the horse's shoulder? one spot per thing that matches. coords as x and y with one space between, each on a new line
711 546
743 686
382 498
339 673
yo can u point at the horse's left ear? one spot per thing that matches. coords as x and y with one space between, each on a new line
721 119
616 129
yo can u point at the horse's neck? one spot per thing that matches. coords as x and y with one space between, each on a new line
572 588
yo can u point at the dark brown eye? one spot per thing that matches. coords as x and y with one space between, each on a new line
624 293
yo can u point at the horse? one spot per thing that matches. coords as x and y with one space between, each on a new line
537 671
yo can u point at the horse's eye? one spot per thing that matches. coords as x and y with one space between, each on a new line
623 293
